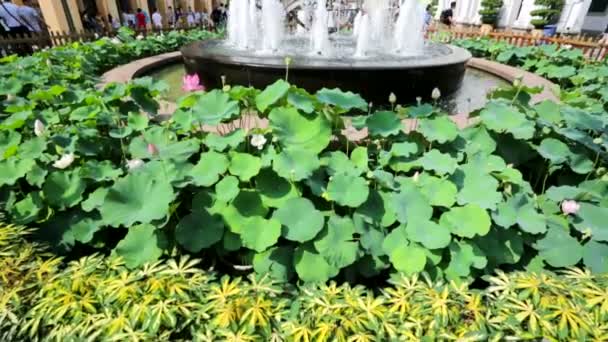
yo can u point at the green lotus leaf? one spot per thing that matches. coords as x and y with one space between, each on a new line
501 246
595 255
120 132
27 210
247 204
548 111
13 169
567 192
359 157
36 176
506 118
32 148
404 149
478 188
199 230
338 162
137 198
384 179
467 221
464 256
396 238
347 190
411 206
408 259
231 242
371 236
530 220
169 147
505 214
95 199
64 189
227 189
9 140
439 192
301 221
277 262
336 243
259 234
268 154
485 163
311 266
559 249
99 171
244 165
378 209
271 95
221 142
209 168
421 111
214 107
478 140
440 129
300 99
383 124
275 191
295 164
554 150
343 100
592 219
137 122
84 229
430 234
142 244
304 132
439 162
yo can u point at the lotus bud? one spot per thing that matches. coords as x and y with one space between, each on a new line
10 97
598 141
600 171
140 37
392 98
570 207
223 77
416 177
418 100
275 139
134 164
517 82
65 161
38 128
258 141
369 174
152 150
287 61
436 94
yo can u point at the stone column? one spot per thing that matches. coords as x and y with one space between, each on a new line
523 20
106 7
573 16
508 13
59 19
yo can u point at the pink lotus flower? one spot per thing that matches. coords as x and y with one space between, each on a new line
152 149
192 83
570 207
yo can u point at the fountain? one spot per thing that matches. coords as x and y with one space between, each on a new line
383 56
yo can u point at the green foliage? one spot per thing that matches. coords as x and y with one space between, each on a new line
548 13
490 11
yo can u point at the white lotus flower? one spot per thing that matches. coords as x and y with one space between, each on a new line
134 164
65 161
567 47
516 82
38 128
258 140
96 35
418 100
436 94
392 98
140 37
116 41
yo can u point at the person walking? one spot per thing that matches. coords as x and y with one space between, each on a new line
447 16
113 22
14 26
140 18
157 19
190 17
31 17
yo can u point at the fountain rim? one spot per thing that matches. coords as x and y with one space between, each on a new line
196 50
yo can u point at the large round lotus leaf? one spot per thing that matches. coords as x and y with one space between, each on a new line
440 192
169 147
13 169
467 221
559 249
209 168
530 220
338 162
26 210
271 95
295 164
378 209
501 246
478 188
396 238
277 262
199 230
95 199
440 129
359 157
246 204
404 149
32 149
100 170
383 124
347 190
430 234
9 140
143 244
408 259
36 176
595 255
300 99
311 266
477 140
301 221
138 197
259 234
84 229
554 150
222 142
335 242
504 117
439 162
463 256
592 219
411 205
275 191
63 189
244 165
227 189
344 100
137 122
214 107
548 111
294 130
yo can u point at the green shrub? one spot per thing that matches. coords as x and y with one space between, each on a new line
490 11
548 14
98 298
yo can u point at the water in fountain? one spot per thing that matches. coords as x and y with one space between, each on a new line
409 28
319 34
238 24
364 36
273 24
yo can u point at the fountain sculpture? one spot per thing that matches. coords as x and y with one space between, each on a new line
383 55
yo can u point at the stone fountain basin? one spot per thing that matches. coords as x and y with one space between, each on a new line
374 78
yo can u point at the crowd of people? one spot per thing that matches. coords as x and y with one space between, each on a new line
15 19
